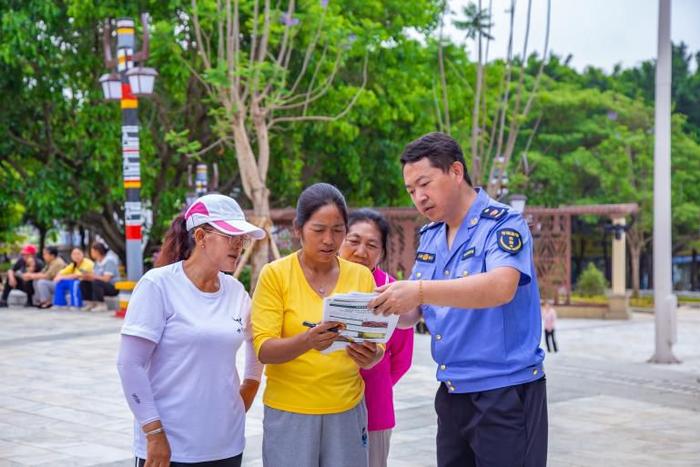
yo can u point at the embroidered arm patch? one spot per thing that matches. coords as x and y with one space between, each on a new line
510 241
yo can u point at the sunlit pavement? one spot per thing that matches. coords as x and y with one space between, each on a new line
61 402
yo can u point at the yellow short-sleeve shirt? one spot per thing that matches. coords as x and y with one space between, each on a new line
86 265
312 383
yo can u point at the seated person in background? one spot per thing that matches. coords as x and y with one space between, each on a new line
68 279
100 282
27 263
43 281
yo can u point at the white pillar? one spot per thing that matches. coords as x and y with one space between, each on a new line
619 262
664 299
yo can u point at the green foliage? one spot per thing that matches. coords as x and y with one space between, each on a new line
244 277
591 282
61 160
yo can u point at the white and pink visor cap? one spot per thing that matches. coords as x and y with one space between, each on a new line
223 213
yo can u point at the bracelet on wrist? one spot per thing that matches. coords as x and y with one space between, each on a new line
155 432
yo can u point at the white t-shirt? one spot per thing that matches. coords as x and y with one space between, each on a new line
192 370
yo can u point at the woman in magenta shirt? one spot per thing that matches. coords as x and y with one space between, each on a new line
366 243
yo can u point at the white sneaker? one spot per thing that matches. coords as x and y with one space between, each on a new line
88 306
100 306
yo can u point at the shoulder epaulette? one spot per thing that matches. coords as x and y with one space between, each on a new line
494 212
428 226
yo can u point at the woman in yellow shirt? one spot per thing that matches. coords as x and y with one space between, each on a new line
315 414
68 279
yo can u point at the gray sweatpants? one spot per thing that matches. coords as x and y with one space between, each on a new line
333 440
45 289
379 447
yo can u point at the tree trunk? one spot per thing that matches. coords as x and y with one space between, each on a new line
443 77
253 180
261 254
42 237
476 166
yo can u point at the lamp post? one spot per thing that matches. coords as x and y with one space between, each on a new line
126 84
665 302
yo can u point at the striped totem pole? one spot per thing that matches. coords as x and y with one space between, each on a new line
130 152
201 180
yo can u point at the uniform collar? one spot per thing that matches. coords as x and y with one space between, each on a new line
480 203
469 221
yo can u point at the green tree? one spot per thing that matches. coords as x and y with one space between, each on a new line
267 67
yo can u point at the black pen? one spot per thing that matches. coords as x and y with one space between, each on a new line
309 324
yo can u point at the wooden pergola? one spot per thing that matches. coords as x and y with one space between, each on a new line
551 231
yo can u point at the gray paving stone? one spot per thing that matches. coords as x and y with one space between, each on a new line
61 402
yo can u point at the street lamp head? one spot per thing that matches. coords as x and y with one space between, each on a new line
142 80
517 202
111 87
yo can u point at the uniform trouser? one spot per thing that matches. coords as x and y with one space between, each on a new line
45 289
549 335
25 286
230 462
301 440
68 285
503 427
96 290
379 447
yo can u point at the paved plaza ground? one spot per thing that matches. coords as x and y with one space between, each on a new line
61 403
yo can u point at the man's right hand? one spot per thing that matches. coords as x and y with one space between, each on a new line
157 451
158 448
320 337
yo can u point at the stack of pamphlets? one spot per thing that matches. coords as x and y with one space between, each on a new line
360 323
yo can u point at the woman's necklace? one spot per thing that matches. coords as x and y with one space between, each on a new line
321 289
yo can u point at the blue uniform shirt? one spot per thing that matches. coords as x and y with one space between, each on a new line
487 348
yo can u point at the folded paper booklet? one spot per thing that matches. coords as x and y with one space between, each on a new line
361 324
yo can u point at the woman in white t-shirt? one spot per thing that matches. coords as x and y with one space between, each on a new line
185 322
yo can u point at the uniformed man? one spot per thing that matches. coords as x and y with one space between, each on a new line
474 283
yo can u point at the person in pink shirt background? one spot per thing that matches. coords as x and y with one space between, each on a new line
366 243
549 318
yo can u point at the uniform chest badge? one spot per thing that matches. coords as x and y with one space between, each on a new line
510 241
468 253
425 257
494 213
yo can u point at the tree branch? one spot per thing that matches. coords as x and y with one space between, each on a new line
540 71
312 94
17 167
504 103
441 67
308 54
216 143
206 59
326 118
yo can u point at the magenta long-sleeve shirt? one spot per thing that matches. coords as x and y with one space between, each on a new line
380 379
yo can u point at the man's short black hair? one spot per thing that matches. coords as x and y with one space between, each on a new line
52 250
440 149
